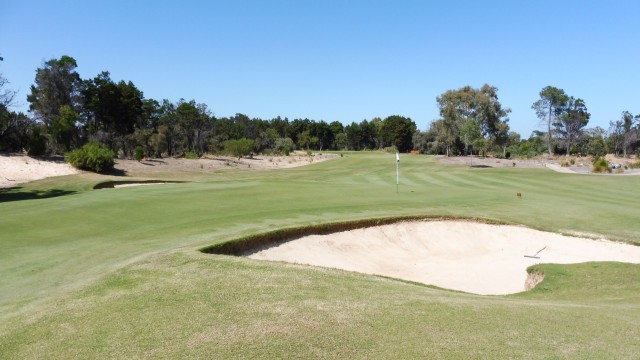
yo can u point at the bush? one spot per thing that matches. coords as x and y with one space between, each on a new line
93 156
635 165
138 153
600 165
239 148
284 146
190 155
37 144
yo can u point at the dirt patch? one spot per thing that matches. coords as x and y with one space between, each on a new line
214 162
533 279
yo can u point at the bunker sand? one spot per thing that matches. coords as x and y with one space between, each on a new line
459 255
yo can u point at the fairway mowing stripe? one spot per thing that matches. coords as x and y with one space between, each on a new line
457 179
408 182
426 178
377 180
497 181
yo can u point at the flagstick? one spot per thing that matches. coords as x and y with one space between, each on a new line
397 171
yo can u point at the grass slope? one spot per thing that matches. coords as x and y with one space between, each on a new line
115 273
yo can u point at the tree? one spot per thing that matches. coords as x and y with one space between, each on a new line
570 123
114 109
472 117
195 121
630 127
14 127
550 106
615 138
57 84
593 142
398 131
470 134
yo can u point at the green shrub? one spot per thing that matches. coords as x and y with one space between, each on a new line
635 165
284 146
93 156
572 161
239 148
138 153
600 165
190 155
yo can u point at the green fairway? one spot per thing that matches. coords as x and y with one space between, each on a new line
116 273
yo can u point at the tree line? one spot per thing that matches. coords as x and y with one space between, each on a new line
66 112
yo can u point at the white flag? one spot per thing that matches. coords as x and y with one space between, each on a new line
397 157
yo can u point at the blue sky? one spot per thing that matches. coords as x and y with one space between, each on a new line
343 60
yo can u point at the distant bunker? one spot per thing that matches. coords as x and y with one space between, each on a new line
469 256
130 183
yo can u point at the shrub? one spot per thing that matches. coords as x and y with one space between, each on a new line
572 161
37 144
93 156
600 165
138 153
284 146
239 148
635 165
191 155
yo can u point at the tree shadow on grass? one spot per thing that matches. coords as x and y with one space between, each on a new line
15 194
115 172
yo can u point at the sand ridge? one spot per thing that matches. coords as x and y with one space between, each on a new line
459 255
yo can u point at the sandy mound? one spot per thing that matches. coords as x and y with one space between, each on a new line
471 257
17 169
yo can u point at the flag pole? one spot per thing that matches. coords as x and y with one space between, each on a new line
397 170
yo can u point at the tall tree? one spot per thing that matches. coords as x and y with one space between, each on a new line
571 122
114 109
57 85
631 130
549 107
398 131
472 116
194 119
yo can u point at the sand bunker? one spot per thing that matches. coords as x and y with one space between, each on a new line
459 255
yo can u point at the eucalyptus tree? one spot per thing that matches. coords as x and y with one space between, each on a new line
631 129
570 123
549 107
473 117
195 121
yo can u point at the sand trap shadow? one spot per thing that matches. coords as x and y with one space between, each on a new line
115 184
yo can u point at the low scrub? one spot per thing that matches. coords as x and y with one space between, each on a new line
600 165
93 156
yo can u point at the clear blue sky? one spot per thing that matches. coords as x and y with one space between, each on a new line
345 60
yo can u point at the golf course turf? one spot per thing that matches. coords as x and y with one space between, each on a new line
117 273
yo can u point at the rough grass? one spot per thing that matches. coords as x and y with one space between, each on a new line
116 273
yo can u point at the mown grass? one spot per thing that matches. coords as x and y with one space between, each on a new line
117 273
